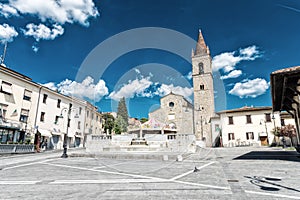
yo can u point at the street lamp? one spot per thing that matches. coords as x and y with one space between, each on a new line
266 129
65 142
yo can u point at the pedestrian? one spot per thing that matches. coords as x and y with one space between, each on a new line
45 144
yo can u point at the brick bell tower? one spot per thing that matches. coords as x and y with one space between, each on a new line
204 106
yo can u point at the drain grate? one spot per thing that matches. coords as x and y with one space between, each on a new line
232 180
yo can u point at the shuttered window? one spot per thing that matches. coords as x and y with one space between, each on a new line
27 95
6 87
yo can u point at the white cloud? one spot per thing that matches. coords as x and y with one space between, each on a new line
8 11
144 87
250 88
137 70
7 33
232 74
189 76
136 87
227 61
166 89
50 85
42 32
58 11
35 48
86 88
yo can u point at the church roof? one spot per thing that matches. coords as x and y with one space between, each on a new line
171 93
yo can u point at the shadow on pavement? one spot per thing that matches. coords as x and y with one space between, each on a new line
270 155
268 183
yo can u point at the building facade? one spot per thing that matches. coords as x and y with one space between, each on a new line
176 113
18 106
34 113
245 126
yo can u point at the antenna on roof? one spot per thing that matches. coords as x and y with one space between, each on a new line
4 53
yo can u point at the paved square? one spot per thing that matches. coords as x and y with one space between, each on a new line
221 173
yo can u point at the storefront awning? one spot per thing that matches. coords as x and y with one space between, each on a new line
44 132
262 134
56 133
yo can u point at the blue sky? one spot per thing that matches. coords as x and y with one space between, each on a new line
62 44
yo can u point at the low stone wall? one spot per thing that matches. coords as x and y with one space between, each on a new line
96 143
154 142
16 148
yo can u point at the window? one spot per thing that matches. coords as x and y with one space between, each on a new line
92 115
56 119
250 136
27 95
78 125
201 87
42 119
171 104
24 115
6 87
3 109
248 119
97 118
80 109
69 120
201 69
230 120
87 113
282 122
268 117
217 127
45 98
58 103
230 136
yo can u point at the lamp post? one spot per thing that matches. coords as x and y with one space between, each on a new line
65 142
265 128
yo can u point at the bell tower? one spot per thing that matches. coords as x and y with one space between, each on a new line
204 107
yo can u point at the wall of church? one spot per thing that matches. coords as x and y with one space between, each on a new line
175 110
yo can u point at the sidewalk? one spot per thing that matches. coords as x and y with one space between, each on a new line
13 159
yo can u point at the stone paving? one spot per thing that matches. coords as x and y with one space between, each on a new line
220 173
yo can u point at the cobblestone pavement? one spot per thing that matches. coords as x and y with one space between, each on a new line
221 173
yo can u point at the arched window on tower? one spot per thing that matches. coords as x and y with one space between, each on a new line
201 68
201 87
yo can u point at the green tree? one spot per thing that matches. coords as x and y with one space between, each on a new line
120 125
143 120
108 124
122 110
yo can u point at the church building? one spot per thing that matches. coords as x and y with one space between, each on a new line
194 119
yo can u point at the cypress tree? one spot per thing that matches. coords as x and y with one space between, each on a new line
122 110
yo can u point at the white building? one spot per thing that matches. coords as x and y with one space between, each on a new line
18 105
41 114
244 126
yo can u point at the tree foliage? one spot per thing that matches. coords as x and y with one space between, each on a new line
143 120
120 125
122 110
276 131
108 123
288 131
